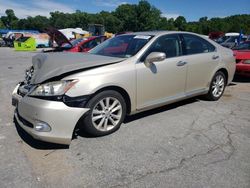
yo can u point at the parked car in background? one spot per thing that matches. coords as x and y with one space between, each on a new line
85 44
233 41
124 75
243 46
242 55
25 44
10 37
74 45
227 36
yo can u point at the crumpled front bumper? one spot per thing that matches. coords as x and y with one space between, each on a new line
61 118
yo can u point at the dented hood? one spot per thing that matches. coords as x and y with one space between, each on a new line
50 65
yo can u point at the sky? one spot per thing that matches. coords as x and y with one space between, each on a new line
192 10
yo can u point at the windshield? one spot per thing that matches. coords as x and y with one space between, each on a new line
73 42
232 39
123 46
243 46
22 39
222 39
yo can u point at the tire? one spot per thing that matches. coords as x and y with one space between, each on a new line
218 83
106 114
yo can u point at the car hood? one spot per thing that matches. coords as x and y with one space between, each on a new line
58 37
242 54
50 65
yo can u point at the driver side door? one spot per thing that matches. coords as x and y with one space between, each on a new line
163 81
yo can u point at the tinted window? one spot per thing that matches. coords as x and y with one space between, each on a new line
196 45
90 44
232 39
73 42
222 39
22 39
168 44
243 46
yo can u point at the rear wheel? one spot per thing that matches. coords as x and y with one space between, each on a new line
217 86
107 112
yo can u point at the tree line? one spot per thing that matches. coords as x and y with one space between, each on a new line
127 17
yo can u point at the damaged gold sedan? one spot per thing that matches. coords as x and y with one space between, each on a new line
124 75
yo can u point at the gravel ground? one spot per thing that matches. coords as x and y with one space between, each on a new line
194 143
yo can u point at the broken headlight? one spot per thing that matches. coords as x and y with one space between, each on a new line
56 88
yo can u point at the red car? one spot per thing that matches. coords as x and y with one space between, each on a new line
84 44
242 55
75 45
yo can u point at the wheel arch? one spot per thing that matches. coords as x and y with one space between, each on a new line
120 90
225 72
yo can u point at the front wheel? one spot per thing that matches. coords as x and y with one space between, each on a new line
217 86
107 112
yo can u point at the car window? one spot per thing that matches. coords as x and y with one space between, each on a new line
22 39
74 42
232 39
90 44
168 44
196 45
123 46
243 46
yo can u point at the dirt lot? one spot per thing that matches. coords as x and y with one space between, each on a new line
194 143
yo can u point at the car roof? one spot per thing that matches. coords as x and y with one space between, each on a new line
157 33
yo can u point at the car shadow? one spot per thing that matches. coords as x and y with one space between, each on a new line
37 144
80 130
241 79
161 109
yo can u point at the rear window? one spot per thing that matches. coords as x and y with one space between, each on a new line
196 45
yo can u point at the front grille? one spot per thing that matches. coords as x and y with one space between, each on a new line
24 121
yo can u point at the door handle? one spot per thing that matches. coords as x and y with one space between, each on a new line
181 63
215 57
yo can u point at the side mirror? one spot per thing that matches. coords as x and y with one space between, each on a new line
154 57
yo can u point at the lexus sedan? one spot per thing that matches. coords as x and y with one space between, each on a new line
124 75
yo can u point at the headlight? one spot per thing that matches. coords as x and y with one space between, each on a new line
53 88
247 61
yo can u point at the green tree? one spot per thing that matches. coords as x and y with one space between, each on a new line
80 19
180 23
10 20
61 20
1 24
128 16
111 22
148 16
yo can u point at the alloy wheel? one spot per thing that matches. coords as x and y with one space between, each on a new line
106 114
218 86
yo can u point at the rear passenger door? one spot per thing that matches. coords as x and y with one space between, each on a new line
202 59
